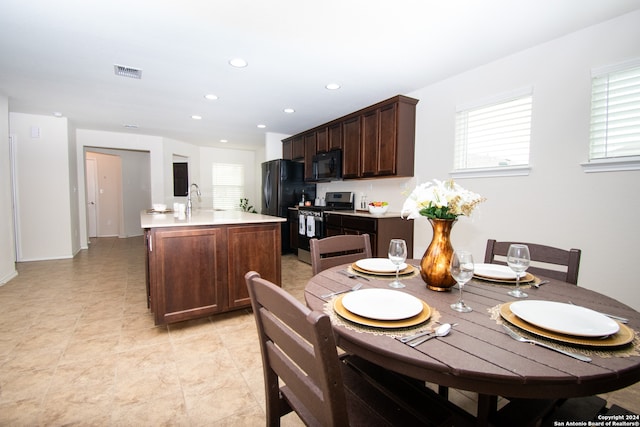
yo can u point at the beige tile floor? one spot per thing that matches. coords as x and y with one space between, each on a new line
79 347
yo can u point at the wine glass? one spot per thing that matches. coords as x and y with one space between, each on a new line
461 270
518 260
397 255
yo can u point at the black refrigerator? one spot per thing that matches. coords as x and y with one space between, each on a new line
282 188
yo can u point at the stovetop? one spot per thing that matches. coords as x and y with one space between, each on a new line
336 200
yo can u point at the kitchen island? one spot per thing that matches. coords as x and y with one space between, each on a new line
195 266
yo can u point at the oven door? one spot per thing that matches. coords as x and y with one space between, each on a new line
313 227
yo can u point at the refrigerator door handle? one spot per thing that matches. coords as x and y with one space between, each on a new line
267 188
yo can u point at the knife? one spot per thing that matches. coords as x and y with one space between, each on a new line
352 275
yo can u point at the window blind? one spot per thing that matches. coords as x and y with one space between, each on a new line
228 185
615 114
494 135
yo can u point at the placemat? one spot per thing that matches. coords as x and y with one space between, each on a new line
631 349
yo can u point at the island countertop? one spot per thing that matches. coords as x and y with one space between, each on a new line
204 217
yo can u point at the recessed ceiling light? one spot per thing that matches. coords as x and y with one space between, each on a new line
224 140
130 126
57 114
289 110
262 126
196 117
238 63
211 97
333 86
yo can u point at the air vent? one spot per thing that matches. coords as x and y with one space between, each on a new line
124 71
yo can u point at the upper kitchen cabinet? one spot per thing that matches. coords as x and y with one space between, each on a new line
310 150
377 141
297 148
287 149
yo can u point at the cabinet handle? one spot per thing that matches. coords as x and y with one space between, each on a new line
150 243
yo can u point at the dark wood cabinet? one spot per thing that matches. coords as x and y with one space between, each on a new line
309 151
287 149
377 141
198 271
351 148
293 224
380 229
297 148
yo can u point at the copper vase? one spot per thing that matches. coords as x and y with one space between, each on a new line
434 267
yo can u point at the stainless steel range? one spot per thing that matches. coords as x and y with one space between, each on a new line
311 220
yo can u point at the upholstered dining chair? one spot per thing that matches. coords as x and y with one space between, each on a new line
303 372
544 259
337 250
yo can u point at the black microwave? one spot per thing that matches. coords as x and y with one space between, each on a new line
327 166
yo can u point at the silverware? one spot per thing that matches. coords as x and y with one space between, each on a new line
442 331
520 338
352 275
355 288
542 282
611 316
420 334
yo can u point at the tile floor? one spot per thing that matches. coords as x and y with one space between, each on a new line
79 347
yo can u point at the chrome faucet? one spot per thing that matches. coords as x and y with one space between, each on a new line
189 204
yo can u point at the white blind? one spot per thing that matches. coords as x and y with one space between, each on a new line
615 114
228 185
494 135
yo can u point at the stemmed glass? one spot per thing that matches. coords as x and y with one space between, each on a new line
461 270
518 259
397 255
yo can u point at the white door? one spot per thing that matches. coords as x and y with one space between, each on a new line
92 210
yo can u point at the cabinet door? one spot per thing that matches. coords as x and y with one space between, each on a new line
254 248
309 152
351 148
189 273
287 149
297 148
322 142
370 141
335 136
387 142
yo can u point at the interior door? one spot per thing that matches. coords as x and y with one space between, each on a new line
92 210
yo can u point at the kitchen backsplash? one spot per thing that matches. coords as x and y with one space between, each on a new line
391 190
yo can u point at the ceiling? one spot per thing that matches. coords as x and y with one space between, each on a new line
59 56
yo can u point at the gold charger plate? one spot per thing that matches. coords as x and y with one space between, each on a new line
407 270
423 316
623 336
526 279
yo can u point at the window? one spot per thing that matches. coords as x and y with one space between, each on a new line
615 113
494 135
228 185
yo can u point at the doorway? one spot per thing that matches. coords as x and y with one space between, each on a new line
92 191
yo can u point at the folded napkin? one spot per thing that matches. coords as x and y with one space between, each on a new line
311 226
302 225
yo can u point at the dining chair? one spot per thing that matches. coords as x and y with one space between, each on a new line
303 372
337 250
545 259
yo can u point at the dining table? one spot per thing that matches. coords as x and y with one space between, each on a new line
478 354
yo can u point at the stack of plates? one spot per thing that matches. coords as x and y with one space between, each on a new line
566 323
382 308
498 273
380 267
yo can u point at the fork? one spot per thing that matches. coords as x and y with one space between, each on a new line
352 275
520 338
355 288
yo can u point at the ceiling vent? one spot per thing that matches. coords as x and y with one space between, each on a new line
124 71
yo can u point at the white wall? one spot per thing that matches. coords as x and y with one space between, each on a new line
557 204
7 248
43 183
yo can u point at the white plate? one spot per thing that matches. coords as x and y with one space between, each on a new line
382 304
379 265
565 319
494 271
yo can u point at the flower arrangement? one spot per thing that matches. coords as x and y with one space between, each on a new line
440 199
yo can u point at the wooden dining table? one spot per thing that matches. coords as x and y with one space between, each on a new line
478 355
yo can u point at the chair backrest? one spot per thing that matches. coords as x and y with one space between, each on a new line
337 250
540 255
297 346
